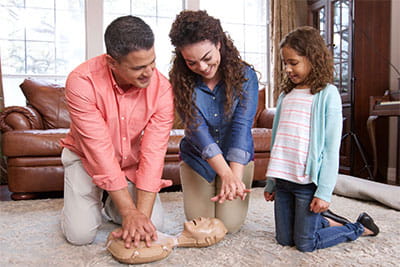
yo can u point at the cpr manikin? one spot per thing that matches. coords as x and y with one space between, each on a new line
200 232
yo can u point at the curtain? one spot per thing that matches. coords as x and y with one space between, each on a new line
1 89
283 20
3 171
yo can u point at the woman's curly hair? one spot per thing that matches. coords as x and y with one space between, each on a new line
307 42
192 27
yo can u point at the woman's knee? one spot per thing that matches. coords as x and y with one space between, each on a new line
232 214
233 225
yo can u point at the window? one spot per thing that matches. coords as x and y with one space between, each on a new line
159 14
246 24
46 39
42 38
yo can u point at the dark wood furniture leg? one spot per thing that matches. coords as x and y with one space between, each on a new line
371 132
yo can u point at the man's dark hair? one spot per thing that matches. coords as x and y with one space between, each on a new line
126 34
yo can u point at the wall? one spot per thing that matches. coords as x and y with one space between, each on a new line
3 174
301 12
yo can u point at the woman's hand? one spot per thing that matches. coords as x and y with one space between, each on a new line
231 188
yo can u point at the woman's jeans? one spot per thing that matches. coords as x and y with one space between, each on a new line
297 226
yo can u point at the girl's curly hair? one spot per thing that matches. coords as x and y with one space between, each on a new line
192 27
307 42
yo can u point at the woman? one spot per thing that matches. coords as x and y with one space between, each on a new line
216 96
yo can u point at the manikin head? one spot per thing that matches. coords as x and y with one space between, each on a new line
202 232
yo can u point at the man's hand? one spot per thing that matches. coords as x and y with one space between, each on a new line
136 227
136 223
318 205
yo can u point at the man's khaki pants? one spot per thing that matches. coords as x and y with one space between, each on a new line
197 193
82 212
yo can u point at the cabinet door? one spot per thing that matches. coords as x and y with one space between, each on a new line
341 40
333 19
358 34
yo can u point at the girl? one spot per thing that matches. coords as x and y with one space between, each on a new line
216 97
305 149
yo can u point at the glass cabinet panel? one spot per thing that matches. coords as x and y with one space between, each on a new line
340 43
322 22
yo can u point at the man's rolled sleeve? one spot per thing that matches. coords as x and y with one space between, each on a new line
104 182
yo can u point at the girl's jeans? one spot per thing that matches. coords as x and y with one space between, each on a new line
297 226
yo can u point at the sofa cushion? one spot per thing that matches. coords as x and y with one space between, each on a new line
174 139
33 143
260 106
262 139
50 102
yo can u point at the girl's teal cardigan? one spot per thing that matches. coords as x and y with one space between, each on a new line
325 138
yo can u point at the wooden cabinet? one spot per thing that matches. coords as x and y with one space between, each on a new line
358 34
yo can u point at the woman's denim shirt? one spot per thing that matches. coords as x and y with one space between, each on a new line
217 134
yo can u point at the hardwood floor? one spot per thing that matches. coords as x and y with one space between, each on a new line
5 195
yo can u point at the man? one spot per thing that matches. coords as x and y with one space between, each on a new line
121 112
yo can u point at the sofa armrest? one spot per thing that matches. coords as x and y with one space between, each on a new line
20 118
266 118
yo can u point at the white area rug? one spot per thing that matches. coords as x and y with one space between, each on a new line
30 236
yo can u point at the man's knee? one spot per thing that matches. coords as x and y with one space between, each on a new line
79 236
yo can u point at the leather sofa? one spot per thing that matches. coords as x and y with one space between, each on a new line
31 134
